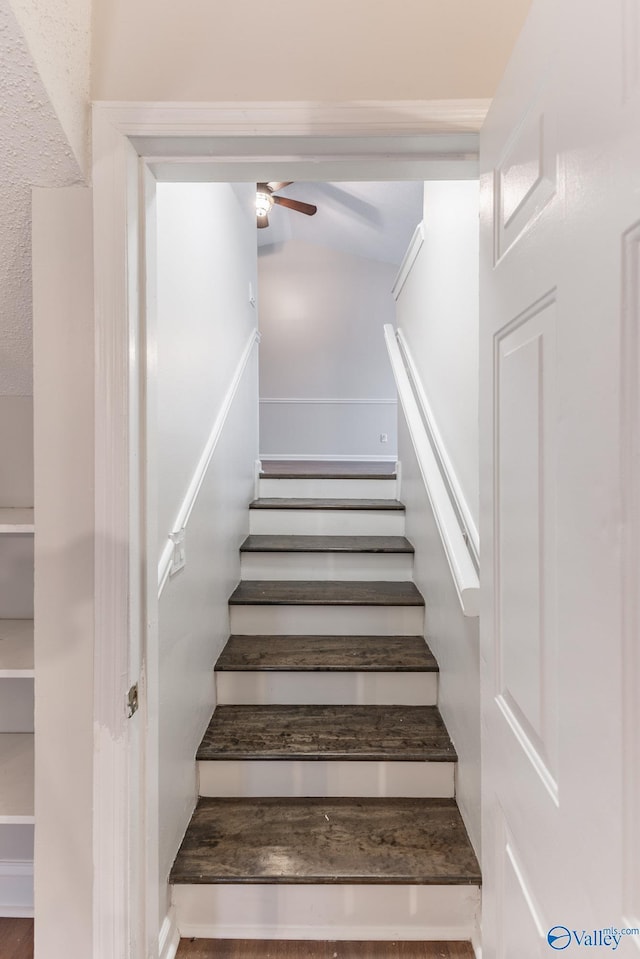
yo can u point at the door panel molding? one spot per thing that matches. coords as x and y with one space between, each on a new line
517 903
526 177
524 560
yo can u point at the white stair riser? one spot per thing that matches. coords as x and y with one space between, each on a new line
326 778
16 576
16 706
318 488
329 522
347 566
326 911
327 620
245 688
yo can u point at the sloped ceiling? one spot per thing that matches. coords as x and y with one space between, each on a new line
33 152
373 220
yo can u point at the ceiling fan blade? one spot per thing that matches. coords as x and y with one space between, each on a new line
263 221
274 186
298 205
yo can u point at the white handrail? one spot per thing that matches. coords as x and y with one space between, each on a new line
189 501
462 568
438 444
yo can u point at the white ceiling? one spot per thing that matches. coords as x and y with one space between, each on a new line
374 220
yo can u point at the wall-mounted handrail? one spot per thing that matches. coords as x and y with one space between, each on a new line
191 495
456 495
463 570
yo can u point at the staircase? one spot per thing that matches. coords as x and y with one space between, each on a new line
327 777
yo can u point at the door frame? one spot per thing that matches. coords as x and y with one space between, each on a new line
367 140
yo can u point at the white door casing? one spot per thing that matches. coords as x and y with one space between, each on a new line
374 140
560 255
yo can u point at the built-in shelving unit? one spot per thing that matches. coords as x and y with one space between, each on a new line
16 649
17 673
16 521
16 782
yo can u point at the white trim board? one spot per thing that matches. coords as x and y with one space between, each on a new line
169 938
415 245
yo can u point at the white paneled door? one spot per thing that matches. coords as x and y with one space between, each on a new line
560 487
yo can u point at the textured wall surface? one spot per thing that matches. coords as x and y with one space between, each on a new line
58 35
33 152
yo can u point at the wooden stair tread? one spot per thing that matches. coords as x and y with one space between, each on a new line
325 544
273 502
325 593
373 733
335 469
294 840
328 653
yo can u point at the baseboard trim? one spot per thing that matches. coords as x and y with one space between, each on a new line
16 889
327 458
16 912
169 938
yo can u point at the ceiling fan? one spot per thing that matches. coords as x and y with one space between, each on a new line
265 200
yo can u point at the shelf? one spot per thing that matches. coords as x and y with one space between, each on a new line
16 649
16 521
16 782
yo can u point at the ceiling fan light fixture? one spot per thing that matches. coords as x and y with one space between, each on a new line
264 202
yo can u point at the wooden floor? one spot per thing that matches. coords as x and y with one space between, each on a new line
16 938
255 949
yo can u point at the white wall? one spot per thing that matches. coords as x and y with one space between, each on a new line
323 50
437 311
64 609
453 638
206 260
321 318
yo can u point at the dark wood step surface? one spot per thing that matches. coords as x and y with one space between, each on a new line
274 592
273 502
417 841
374 733
325 544
298 949
318 469
328 653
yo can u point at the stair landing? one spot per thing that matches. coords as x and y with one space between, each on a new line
308 469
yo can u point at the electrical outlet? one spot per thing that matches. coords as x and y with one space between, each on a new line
179 558
384 438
